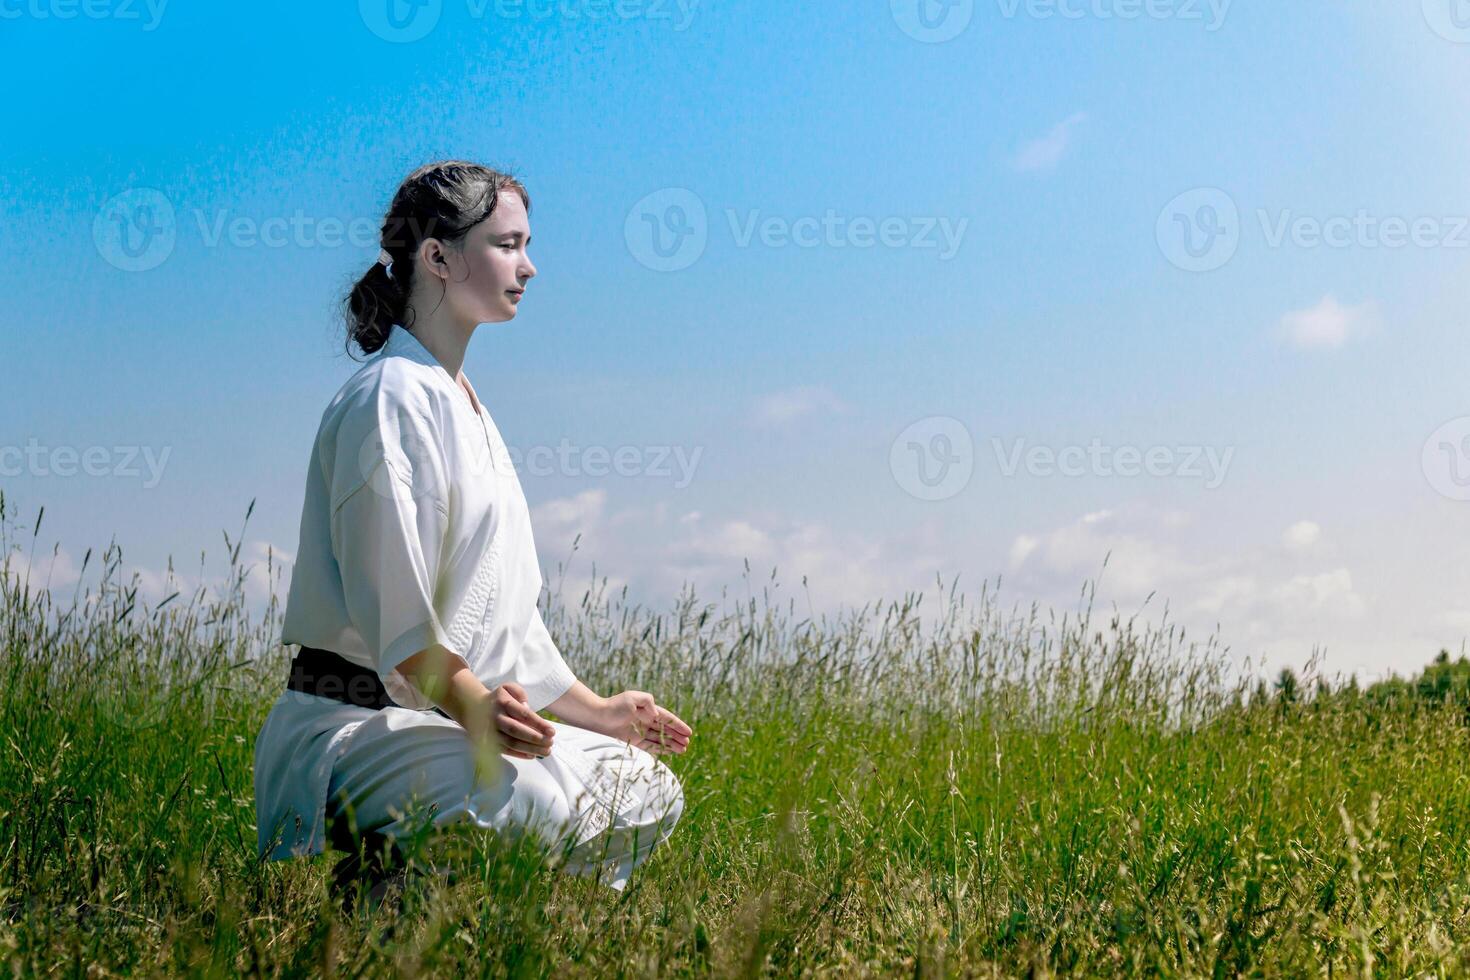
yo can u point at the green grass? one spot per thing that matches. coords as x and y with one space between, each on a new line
988 794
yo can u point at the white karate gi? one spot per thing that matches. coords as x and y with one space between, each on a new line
415 531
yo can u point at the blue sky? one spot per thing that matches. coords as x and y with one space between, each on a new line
1066 145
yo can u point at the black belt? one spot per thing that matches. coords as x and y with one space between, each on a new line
330 675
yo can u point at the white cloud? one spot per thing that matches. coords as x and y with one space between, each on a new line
1228 590
1261 605
1301 535
781 407
558 522
1045 152
657 551
1328 591
269 571
55 569
1069 555
566 526
1327 325
61 572
1021 549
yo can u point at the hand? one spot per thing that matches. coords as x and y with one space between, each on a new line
521 732
636 718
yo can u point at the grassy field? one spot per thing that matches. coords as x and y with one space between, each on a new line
993 794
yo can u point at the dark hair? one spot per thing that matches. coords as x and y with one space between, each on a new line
440 200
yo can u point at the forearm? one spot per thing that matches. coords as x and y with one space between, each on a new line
578 706
444 678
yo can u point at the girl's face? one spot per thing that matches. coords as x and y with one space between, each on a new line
486 274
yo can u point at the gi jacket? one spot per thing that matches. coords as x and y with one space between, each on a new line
414 531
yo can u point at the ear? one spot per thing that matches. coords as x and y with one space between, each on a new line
432 259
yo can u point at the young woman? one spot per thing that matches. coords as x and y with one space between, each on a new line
424 659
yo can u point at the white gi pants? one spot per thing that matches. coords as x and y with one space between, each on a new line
601 802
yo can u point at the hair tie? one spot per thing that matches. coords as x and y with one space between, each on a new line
386 260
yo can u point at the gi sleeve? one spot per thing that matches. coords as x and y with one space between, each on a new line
389 524
541 669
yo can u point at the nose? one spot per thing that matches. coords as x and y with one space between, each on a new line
527 269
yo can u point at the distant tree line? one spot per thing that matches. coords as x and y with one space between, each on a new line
1443 681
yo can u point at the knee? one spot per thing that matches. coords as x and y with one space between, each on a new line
542 805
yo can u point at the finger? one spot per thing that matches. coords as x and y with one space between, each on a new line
531 751
660 732
664 731
653 747
673 742
662 736
518 692
515 729
674 722
522 712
